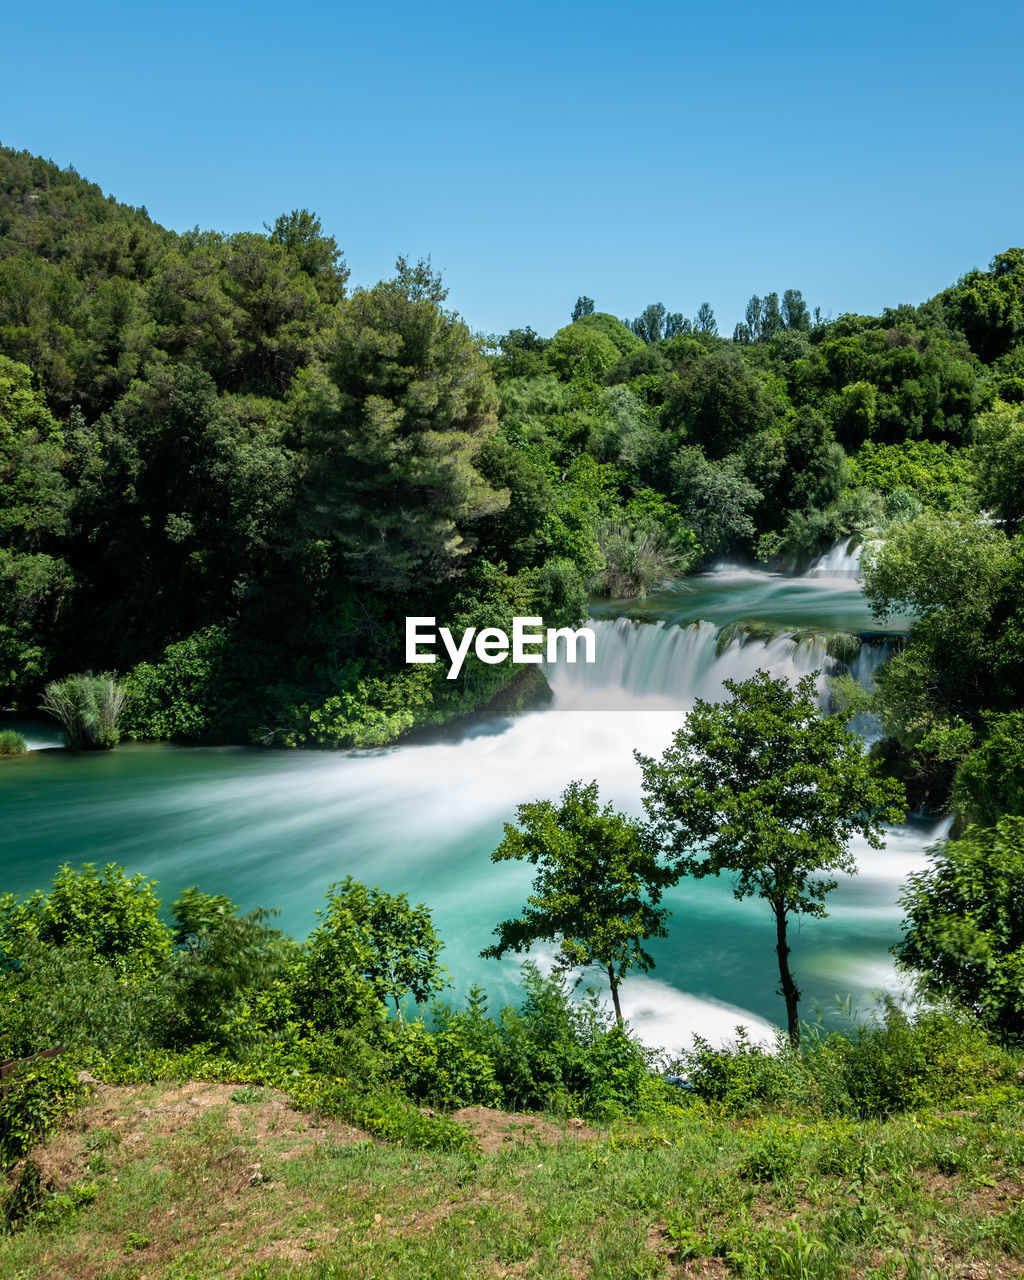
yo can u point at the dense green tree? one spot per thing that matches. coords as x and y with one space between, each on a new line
999 458
988 306
521 354
318 255
767 788
35 578
990 781
378 936
772 320
621 338
596 890
959 579
391 426
219 956
584 307
104 914
649 325
794 311
719 401
942 477
705 321
181 517
715 500
754 319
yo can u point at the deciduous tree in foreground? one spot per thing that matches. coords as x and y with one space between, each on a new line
767 787
596 890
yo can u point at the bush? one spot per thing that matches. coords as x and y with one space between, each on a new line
896 1062
12 743
990 781
637 557
744 1077
35 1098
552 1053
89 709
105 914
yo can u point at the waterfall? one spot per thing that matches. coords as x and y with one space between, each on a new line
657 665
660 666
841 560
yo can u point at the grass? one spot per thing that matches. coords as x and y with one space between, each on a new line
202 1181
12 743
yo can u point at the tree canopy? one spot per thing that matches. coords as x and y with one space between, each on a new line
596 889
768 789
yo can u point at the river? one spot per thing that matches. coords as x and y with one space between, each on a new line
274 828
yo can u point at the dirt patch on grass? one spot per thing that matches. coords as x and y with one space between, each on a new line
705 1268
126 1121
983 1199
497 1130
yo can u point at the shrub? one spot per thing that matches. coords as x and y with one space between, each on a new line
35 1098
637 557
743 1076
106 914
89 709
12 743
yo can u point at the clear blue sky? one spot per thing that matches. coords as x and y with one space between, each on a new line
865 153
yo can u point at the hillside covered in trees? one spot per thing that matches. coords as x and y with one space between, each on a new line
227 475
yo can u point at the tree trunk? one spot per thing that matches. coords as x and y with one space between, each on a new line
613 982
398 1010
789 991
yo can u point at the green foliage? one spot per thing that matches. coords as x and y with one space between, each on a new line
990 780
614 330
718 401
584 351
105 913
70 996
998 456
965 925
715 500
89 709
768 789
942 477
895 376
34 1099
176 696
988 306
957 576
388 945
12 743
219 957
895 1062
596 889
34 581
391 426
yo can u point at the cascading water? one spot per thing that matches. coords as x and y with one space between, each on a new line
656 664
275 828
842 560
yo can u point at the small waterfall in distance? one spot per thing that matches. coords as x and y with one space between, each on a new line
841 560
655 664
658 665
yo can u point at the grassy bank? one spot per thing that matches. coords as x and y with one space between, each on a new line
193 1180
